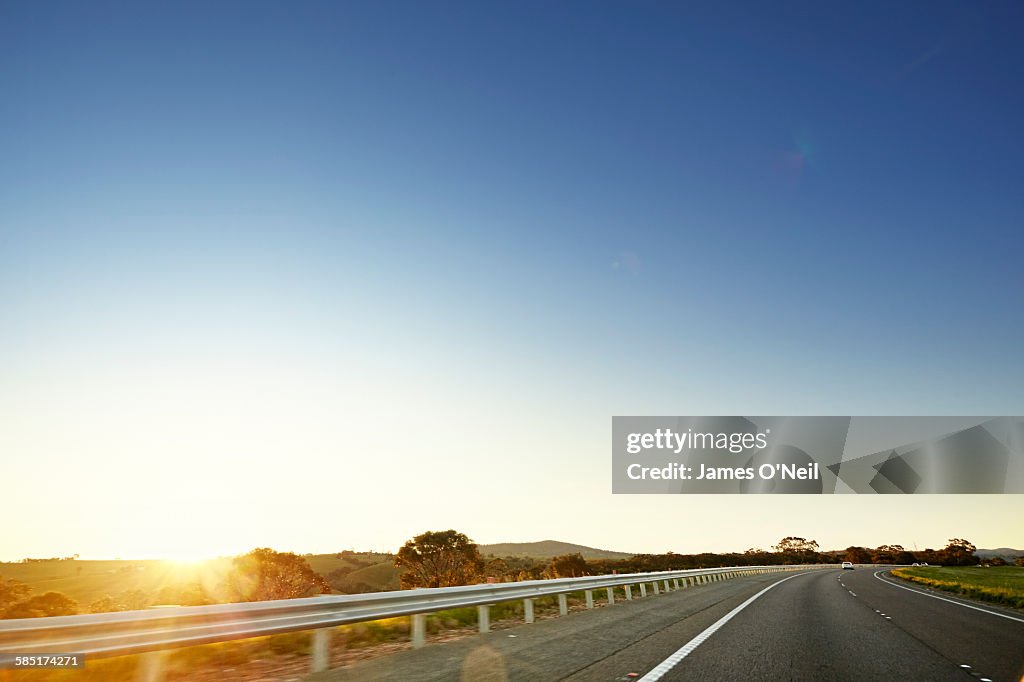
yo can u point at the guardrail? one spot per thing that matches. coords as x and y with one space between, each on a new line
155 631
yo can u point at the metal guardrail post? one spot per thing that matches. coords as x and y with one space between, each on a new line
629 592
590 599
528 610
483 617
643 590
656 590
320 650
611 595
419 630
563 604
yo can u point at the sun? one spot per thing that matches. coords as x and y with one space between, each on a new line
188 559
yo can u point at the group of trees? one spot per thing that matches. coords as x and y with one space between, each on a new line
33 560
447 558
957 552
441 559
16 602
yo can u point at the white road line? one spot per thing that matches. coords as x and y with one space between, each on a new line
659 670
951 601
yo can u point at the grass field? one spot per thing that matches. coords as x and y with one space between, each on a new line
996 584
87 581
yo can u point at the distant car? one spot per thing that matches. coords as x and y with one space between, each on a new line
916 564
847 565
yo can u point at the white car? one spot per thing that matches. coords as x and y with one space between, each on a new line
847 565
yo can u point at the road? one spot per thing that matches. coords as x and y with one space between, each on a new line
818 625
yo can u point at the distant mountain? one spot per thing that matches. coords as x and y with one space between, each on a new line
1005 552
545 549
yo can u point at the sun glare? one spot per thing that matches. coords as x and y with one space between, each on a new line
187 559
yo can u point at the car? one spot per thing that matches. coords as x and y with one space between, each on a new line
847 565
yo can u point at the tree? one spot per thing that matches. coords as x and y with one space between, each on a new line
568 566
889 554
797 548
133 600
43 605
129 600
1019 561
186 594
103 605
960 552
439 559
264 574
858 555
496 568
11 592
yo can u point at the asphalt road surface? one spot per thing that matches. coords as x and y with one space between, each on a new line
817 625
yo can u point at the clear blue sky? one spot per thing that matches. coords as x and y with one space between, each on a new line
459 237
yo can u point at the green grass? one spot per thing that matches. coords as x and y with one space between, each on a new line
382 576
996 584
325 564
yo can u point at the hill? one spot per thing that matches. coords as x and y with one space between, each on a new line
545 549
1005 552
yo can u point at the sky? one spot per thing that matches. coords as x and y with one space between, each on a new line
319 276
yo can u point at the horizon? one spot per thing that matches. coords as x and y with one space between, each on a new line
198 560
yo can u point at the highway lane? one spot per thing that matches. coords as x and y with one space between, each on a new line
851 626
820 625
572 645
988 638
